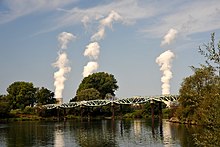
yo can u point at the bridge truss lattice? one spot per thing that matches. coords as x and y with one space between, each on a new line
167 99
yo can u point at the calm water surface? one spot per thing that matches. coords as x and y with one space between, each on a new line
95 133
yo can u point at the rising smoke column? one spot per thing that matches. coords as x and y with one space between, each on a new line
91 67
106 22
62 63
169 37
164 61
93 49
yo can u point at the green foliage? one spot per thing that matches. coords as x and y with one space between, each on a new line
136 114
44 96
209 112
211 53
29 110
16 112
103 82
207 136
88 94
21 94
200 97
4 106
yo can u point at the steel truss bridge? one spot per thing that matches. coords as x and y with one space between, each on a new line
167 99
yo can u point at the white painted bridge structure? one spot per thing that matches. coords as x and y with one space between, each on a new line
167 99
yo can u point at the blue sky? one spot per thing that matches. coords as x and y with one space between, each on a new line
29 45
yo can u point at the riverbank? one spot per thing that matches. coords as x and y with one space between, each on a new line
176 120
32 117
35 114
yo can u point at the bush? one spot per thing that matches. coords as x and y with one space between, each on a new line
29 110
136 114
16 111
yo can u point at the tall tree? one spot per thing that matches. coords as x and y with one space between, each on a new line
88 94
211 53
103 82
199 96
44 96
21 94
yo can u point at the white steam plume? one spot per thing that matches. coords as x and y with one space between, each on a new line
64 38
164 60
62 63
92 50
59 76
98 35
113 16
169 37
106 22
90 68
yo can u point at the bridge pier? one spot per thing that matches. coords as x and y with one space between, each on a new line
152 112
121 114
160 112
64 114
113 111
81 111
58 113
89 115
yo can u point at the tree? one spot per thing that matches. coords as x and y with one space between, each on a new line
200 93
102 82
4 105
44 96
88 94
212 53
199 96
21 94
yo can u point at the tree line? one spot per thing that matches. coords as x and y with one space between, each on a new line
21 94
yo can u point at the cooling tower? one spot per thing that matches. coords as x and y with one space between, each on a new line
59 100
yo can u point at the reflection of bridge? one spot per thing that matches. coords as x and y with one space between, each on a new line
167 99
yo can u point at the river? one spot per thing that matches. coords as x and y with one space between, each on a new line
95 133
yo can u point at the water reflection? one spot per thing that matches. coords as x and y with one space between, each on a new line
95 133
167 136
108 133
137 128
59 136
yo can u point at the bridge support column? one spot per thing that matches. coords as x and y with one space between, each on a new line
113 111
160 112
121 114
58 113
81 111
152 111
89 115
64 114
